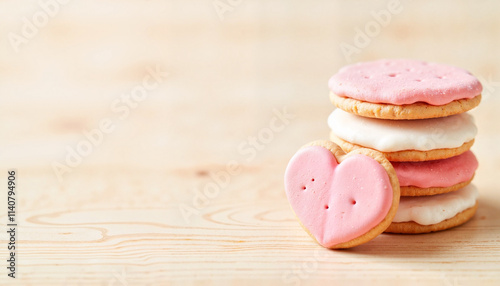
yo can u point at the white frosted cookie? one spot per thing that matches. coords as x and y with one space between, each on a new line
434 213
404 140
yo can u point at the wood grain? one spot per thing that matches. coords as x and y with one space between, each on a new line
116 219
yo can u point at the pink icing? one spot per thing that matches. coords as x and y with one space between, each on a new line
437 173
337 202
403 81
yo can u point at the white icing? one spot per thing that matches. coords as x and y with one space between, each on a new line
435 209
397 135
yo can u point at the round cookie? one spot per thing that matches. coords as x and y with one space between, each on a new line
404 89
412 191
436 176
435 213
409 155
342 200
408 140
416 110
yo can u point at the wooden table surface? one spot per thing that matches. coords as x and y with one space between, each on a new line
181 181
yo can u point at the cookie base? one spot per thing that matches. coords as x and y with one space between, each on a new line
412 191
408 155
412 227
418 110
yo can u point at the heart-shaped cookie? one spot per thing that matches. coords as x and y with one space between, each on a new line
342 200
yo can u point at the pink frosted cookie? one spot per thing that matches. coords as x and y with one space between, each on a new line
342 200
404 89
436 177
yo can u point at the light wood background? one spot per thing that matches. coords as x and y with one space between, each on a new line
115 219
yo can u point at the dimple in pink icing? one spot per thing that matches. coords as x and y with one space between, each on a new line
337 202
437 173
403 81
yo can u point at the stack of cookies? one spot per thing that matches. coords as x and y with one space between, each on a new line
414 113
